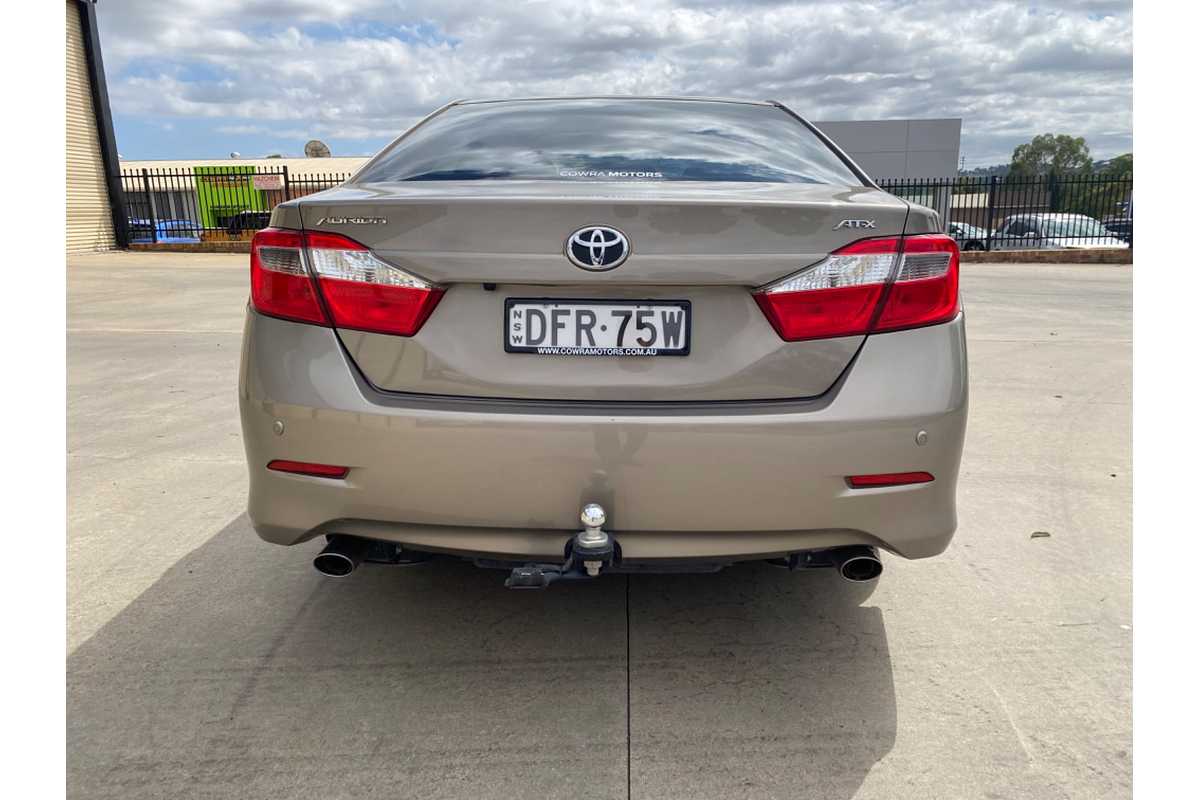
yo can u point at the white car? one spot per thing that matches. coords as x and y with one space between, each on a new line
969 237
1053 232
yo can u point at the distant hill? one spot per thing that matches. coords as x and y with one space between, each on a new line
1098 167
1123 162
984 172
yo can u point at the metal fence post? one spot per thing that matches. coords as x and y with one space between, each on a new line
150 205
943 193
287 184
991 209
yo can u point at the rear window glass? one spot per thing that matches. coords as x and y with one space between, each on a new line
611 140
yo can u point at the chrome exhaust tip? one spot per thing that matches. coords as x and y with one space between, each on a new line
341 556
858 564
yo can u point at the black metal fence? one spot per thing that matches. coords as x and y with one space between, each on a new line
194 204
1027 213
178 206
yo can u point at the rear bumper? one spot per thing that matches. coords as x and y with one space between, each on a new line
507 478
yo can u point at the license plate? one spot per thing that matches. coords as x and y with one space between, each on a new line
597 327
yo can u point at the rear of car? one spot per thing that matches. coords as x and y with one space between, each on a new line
699 316
968 237
1121 228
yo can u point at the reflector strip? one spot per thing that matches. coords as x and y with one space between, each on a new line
888 479
308 468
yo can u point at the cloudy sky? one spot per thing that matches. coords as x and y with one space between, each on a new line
198 80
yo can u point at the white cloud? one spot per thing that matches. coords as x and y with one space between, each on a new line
358 70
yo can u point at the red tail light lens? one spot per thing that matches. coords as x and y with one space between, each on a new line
291 272
366 293
852 291
308 468
925 291
279 282
888 479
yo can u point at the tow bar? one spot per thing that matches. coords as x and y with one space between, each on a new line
588 552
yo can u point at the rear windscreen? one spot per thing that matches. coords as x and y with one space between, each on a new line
611 140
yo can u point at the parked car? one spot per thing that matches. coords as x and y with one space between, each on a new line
1050 231
247 221
1121 227
170 231
968 236
571 337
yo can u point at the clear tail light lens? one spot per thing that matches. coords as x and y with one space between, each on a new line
852 292
291 272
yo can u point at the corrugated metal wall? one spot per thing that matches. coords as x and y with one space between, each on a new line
89 219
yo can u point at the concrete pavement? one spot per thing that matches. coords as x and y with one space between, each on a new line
205 663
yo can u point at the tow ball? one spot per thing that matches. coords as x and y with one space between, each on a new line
592 546
588 552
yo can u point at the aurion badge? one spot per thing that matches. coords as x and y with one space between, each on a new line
597 248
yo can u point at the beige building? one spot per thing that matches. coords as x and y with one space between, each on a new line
91 149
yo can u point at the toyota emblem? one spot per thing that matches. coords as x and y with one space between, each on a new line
597 248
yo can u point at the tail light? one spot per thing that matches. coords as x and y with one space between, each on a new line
869 286
329 279
279 282
365 293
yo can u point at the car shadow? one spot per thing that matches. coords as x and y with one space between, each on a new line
757 682
242 673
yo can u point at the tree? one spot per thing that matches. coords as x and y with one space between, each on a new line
1118 167
1104 195
1050 154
